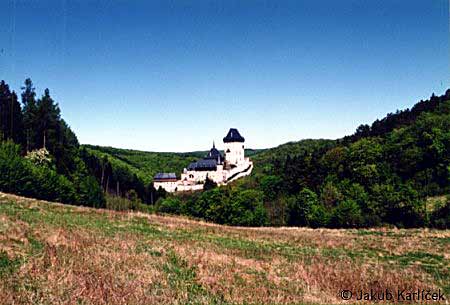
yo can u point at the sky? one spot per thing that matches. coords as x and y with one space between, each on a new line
176 75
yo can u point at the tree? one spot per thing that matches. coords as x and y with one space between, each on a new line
11 119
171 205
301 207
48 122
29 115
15 174
271 187
209 184
247 208
440 218
347 214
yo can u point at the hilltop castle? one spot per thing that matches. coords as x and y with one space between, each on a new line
219 168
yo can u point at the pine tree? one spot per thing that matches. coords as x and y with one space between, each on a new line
47 122
16 123
4 96
29 115
10 115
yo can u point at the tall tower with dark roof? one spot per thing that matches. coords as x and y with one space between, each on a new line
234 147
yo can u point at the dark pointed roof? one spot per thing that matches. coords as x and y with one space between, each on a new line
233 136
214 154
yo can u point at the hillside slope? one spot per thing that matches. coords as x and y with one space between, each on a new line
145 164
52 253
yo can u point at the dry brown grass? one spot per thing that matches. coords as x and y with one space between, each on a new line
57 254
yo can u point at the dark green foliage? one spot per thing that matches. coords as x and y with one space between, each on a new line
247 209
172 205
30 108
209 184
305 209
132 196
87 189
145 164
221 205
382 174
440 218
300 208
40 130
15 172
47 184
271 186
7 265
347 214
21 177
11 121
117 177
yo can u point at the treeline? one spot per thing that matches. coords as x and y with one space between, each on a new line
398 119
146 164
40 157
381 175
39 153
118 178
224 205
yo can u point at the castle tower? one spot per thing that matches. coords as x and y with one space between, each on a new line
234 147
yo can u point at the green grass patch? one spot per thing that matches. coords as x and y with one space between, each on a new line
183 279
8 266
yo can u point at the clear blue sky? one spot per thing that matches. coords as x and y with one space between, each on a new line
175 75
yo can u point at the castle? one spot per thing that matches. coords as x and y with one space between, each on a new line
220 169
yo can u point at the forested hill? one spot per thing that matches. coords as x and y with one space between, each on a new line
383 173
379 128
394 171
146 163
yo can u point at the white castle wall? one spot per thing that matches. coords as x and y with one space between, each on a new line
188 188
169 186
200 176
244 171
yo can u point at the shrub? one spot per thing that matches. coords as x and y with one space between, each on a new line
20 176
347 214
271 187
89 192
440 218
319 216
300 207
117 203
48 185
40 157
247 209
209 184
170 205
16 175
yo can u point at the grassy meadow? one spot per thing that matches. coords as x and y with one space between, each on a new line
59 254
